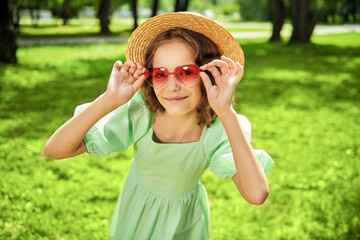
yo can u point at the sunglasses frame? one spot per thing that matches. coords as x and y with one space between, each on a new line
150 69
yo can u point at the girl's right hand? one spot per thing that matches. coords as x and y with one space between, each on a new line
124 82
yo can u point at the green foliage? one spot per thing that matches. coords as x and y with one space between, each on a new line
302 101
254 10
229 8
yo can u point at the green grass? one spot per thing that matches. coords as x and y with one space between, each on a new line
302 101
75 27
118 26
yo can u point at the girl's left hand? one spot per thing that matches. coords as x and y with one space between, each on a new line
220 95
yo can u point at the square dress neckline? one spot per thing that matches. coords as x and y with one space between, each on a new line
163 143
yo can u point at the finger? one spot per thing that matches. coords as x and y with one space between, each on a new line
138 73
206 80
240 71
239 74
224 68
139 66
240 68
138 82
117 65
126 66
133 67
231 65
214 66
214 71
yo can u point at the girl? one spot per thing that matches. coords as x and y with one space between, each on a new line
180 122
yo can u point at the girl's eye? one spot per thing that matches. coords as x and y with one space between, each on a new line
186 73
160 74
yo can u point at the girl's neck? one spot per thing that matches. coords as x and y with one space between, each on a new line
177 128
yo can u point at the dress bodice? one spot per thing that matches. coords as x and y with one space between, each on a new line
172 169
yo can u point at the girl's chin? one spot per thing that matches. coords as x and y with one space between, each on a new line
179 111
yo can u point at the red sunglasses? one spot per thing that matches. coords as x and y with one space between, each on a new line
187 74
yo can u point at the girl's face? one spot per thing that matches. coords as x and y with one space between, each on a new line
174 96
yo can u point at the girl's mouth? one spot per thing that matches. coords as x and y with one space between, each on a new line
175 99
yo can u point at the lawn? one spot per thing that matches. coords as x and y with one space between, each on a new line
118 26
302 101
75 27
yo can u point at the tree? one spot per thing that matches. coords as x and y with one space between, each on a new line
15 6
303 19
65 11
7 35
155 7
104 17
181 5
340 11
350 10
134 12
254 10
34 7
278 18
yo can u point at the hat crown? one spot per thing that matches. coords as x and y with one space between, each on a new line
147 31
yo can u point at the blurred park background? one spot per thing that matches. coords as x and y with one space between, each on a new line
300 91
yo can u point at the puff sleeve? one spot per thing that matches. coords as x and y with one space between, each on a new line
113 132
221 159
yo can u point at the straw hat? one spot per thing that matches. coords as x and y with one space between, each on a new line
148 30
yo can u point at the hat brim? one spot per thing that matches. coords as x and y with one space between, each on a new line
146 32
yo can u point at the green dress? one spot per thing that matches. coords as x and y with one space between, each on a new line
163 197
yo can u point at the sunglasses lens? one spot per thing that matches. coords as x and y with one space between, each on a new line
160 76
189 74
156 76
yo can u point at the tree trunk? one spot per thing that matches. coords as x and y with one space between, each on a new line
134 12
270 10
181 5
104 17
177 6
66 11
155 7
303 21
278 18
7 35
16 23
185 5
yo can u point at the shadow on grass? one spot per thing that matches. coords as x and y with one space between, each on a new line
119 33
318 74
40 104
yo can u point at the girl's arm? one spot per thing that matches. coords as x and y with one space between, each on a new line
250 179
68 141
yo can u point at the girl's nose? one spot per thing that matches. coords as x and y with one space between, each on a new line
173 84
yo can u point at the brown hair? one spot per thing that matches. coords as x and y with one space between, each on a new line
205 51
